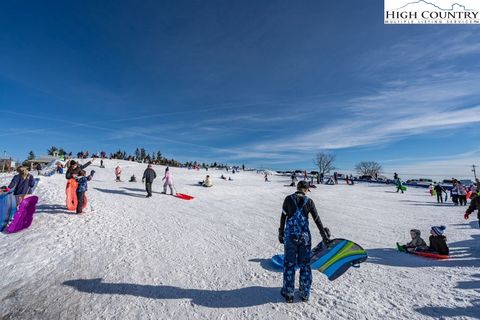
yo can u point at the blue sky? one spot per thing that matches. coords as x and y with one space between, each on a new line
266 83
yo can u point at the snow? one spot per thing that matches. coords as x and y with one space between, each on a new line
130 257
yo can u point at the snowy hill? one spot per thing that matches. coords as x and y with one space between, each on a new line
209 258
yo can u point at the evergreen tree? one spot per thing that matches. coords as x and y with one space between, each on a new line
31 155
52 150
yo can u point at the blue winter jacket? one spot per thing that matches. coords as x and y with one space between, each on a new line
82 183
22 186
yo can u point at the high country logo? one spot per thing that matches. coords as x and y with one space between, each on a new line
432 12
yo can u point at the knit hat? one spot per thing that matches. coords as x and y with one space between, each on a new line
438 230
303 185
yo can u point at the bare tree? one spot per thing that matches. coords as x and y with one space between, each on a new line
368 168
324 161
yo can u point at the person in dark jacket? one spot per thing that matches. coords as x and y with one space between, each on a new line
438 242
82 181
294 233
23 183
74 169
148 176
474 205
439 191
38 167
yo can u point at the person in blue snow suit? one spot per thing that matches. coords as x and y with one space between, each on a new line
82 188
294 233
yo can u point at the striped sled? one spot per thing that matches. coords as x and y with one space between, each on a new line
333 260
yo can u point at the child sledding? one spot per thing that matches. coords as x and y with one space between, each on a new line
437 248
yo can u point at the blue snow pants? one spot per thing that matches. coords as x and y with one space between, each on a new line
297 253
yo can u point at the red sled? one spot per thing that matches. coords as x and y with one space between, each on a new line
71 192
184 196
431 255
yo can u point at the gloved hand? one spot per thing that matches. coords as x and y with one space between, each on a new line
280 235
92 172
143 180
327 232
465 216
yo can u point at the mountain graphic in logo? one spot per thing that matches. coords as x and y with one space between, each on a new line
422 5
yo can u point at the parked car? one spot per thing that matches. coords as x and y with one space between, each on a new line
365 177
466 182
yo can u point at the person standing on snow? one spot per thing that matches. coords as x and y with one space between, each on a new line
148 176
462 194
474 205
82 181
294 177
23 183
294 233
168 181
439 191
399 185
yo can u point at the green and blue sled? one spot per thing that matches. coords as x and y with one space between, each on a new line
333 260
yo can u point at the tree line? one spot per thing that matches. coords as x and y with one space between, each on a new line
325 163
140 155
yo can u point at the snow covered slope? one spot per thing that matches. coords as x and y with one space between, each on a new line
209 258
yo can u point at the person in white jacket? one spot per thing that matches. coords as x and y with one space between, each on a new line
168 182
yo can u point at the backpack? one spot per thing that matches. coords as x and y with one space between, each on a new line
296 228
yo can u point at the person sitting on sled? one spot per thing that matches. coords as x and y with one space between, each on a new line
417 242
438 242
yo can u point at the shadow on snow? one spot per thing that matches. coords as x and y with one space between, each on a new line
52 209
460 311
121 192
267 264
236 298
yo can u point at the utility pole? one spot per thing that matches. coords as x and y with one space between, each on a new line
474 172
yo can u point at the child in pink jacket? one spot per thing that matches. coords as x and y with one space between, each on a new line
168 181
